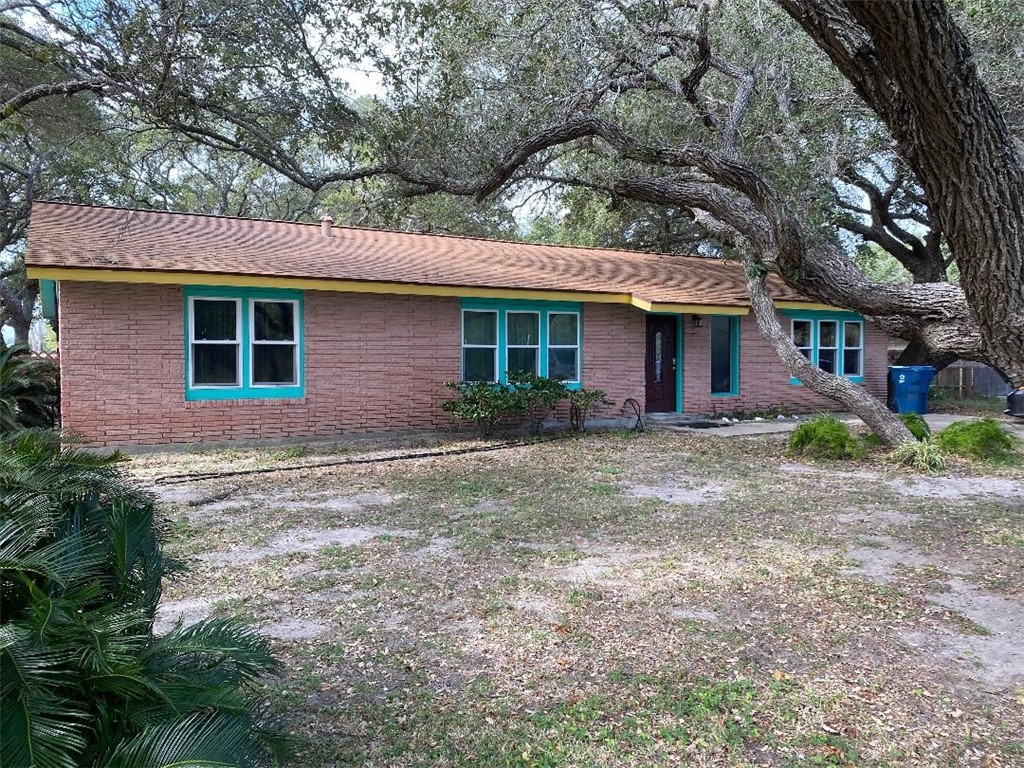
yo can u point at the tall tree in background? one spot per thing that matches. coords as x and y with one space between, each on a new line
778 130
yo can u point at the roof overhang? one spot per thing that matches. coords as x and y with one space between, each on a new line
83 274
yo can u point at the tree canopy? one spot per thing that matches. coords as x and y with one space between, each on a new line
780 133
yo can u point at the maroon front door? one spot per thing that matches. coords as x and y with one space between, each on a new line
661 364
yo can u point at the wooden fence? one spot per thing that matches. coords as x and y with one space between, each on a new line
971 380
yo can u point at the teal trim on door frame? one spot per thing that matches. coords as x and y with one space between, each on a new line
542 308
816 315
246 391
734 355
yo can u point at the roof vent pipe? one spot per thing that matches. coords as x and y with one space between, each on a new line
325 225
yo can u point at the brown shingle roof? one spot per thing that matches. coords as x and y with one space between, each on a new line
88 237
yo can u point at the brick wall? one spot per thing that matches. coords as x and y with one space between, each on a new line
613 354
764 380
370 363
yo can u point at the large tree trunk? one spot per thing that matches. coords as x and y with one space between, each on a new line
880 419
913 67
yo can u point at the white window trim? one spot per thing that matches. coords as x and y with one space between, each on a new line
837 366
840 347
493 347
576 346
192 340
812 348
859 348
253 343
509 346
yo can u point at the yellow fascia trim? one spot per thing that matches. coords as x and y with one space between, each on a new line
808 305
700 309
366 286
309 284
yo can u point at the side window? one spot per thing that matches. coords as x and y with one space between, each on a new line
724 342
274 343
479 345
215 342
522 332
243 343
564 346
853 348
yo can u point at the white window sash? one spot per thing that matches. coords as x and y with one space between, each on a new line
253 343
493 347
576 346
193 341
509 346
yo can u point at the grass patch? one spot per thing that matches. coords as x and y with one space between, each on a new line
986 440
824 437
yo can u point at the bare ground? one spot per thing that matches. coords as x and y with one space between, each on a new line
618 600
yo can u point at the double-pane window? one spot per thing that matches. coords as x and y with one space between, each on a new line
853 349
564 346
836 346
479 345
216 332
274 343
243 343
523 341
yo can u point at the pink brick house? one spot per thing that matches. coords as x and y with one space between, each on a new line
180 328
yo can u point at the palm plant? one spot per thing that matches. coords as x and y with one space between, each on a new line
83 680
28 390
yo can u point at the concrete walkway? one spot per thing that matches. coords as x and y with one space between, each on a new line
678 423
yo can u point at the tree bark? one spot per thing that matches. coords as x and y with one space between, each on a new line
880 419
913 66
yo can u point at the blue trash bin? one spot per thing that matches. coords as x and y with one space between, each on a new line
910 385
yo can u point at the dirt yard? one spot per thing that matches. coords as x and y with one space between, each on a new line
617 600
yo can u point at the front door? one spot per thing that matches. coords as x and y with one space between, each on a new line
661 364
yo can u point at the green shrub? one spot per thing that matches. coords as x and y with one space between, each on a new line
83 679
986 439
540 396
824 437
486 404
28 390
921 456
580 403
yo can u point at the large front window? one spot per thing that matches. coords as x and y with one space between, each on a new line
833 344
243 343
503 338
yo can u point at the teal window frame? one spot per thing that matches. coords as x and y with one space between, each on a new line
815 318
734 355
245 389
543 308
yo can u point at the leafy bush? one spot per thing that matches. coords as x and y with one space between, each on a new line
28 390
922 456
488 404
986 439
824 437
580 403
83 679
540 396
485 404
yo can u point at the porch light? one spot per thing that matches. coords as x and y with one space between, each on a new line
698 321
